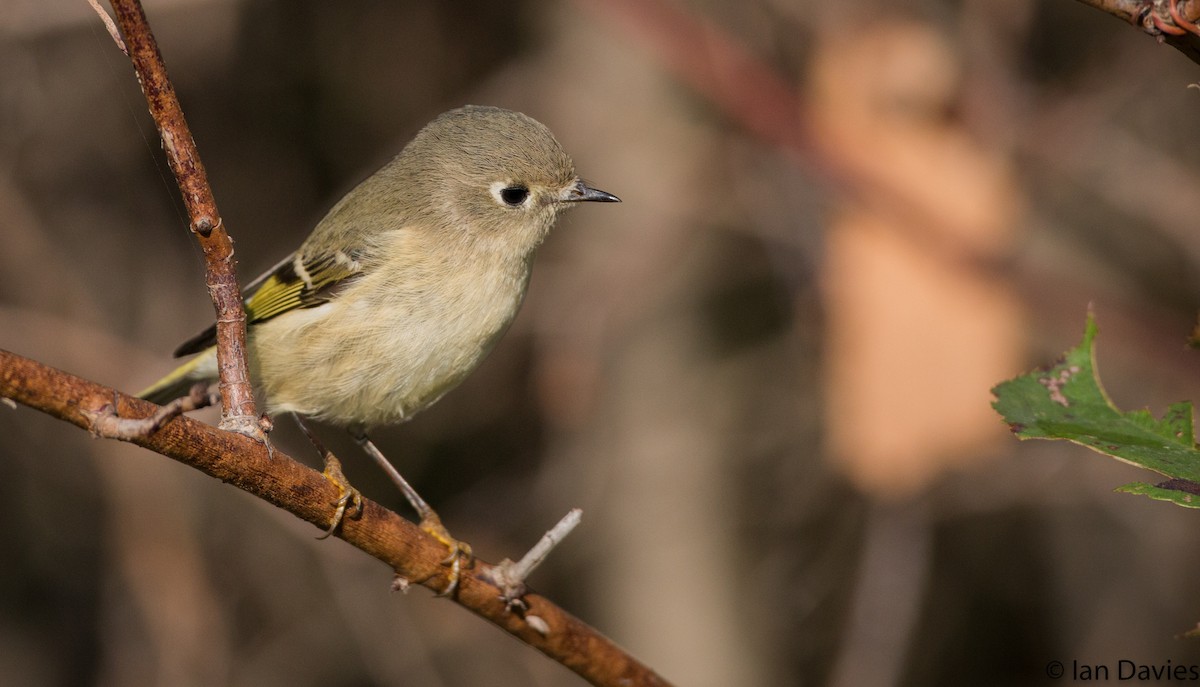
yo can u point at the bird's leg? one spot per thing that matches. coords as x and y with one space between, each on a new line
347 495
430 522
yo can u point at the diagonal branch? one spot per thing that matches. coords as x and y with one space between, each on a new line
237 400
1131 11
305 493
1170 20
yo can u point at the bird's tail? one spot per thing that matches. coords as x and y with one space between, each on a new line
179 382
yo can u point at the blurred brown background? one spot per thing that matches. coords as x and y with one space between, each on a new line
764 376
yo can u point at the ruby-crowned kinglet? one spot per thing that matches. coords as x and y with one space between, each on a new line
407 283
404 287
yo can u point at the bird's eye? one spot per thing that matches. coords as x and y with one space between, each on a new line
514 195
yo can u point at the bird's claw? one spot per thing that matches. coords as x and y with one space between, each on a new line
459 551
349 497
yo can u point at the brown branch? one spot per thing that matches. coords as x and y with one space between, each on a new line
303 492
1131 11
237 400
1172 21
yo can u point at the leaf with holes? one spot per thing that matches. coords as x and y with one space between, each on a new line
1067 402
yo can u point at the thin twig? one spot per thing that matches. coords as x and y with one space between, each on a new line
552 538
304 492
237 400
510 576
1165 19
106 422
108 24
1126 10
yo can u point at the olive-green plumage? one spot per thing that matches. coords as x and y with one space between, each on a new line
406 284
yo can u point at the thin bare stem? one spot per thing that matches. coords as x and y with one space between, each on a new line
552 538
1127 10
510 576
106 422
108 24
237 400
1170 20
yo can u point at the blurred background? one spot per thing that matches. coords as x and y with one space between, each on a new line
764 376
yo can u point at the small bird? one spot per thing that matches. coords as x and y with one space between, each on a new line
406 285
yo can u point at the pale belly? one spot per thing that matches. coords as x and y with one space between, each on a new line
364 369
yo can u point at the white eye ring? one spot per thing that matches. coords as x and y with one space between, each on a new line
510 195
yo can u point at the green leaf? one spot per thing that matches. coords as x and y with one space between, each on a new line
1189 498
1067 402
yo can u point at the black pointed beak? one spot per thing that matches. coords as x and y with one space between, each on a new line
581 192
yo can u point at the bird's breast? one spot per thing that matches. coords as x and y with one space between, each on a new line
390 345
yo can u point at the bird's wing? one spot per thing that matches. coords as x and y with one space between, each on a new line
298 281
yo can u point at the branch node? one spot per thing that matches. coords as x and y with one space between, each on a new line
251 426
204 226
510 577
248 425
